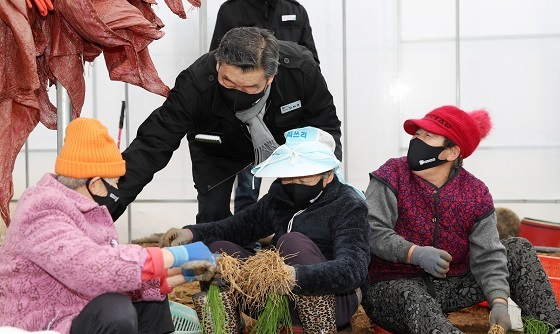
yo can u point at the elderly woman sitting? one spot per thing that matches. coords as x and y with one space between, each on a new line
62 268
312 213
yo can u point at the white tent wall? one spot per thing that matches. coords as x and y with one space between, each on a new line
384 61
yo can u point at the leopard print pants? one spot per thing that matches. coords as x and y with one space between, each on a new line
405 306
316 313
205 317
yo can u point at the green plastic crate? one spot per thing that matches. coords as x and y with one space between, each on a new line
184 319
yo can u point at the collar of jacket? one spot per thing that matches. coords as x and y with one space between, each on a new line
260 3
330 191
80 201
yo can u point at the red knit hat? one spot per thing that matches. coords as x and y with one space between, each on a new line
464 129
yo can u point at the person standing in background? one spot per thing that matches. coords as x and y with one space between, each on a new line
234 105
288 20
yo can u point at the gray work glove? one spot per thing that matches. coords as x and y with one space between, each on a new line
175 237
499 315
432 260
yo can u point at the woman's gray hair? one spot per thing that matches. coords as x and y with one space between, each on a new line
71 182
249 48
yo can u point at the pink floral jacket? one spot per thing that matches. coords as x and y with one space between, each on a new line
60 252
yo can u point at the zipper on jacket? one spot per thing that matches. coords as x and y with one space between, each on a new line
227 178
436 217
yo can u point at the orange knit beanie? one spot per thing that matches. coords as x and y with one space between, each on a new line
89 151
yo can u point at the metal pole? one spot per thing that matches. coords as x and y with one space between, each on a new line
26 164
127 136
64 113
457 56
398 51
344 92
203 28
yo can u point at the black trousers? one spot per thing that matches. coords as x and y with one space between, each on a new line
114 313
215 204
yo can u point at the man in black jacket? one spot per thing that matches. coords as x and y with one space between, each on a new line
234 105
288 20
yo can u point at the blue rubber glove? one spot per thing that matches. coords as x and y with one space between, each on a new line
191 252
500 315
433 260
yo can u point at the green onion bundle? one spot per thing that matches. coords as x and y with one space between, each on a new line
214 307
276 314
534 326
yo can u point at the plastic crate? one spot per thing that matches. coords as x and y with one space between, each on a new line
555 282
540 232
184 319
551 265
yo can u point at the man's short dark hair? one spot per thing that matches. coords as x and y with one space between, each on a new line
249 48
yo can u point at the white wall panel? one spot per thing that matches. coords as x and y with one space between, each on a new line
400 63
433 19
509 17
515 80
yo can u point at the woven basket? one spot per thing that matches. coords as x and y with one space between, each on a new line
184 319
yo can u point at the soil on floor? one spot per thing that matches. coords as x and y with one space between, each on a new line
472 320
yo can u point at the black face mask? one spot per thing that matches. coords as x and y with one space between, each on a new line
111 201
237 100
422 156
303 195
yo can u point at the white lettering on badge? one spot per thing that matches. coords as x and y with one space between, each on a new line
289 107
286 18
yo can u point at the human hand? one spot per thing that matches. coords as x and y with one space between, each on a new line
190 252
285 286
499 315
175 277
199 271
175 237
433 260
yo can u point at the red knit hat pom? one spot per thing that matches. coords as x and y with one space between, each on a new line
483 120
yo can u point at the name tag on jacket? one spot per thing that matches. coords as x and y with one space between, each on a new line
289 107
286 18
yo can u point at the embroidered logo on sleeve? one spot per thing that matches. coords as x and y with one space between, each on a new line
289 107
286 18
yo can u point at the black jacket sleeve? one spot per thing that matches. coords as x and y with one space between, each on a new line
156 140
